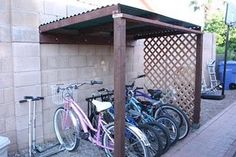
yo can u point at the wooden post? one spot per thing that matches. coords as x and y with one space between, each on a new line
198 79
119 84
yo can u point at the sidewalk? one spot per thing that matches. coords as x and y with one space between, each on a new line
216 138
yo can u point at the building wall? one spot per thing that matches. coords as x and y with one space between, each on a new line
28 68
208 54
7 111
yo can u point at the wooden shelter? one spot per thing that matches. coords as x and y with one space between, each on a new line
173 52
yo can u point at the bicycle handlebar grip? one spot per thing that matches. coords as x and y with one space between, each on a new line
28 97
96 82
140 76
22 101
40 98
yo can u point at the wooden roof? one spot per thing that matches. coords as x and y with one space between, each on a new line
96 26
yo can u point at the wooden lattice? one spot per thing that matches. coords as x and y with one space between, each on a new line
170 62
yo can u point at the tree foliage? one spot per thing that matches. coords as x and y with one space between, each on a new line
217 25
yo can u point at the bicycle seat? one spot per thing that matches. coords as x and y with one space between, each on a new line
156 94
101 106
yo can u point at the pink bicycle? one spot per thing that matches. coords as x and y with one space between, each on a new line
71 124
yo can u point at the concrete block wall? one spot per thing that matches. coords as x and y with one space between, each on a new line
7 106
28 68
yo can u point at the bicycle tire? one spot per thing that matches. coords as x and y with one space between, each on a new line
152 135
62 132
163 134
133 134
172 127
180 117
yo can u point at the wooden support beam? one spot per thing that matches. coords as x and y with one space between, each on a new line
198 79
70 39
119 85
157 23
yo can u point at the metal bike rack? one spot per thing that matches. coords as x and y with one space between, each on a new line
34 149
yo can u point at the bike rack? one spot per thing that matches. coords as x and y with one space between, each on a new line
33 149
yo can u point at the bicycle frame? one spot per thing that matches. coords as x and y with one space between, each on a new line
134 102
86 124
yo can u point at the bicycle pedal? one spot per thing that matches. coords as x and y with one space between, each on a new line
84 135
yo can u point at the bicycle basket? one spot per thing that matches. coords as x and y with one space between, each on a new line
57 98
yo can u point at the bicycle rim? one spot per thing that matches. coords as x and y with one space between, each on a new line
171 126
178 115
134 147
66 130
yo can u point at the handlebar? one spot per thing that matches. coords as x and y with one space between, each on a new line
77 85
31 98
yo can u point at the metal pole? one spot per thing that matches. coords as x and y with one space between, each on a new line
34 124
225 60
30 129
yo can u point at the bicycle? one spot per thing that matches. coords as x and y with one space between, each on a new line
154 104
71 124
137 118
151 133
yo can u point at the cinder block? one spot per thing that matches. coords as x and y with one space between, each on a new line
45 18
1 96
52 63
67 74
77 61
26 5
8 95
49 76
49 104
87 50
75 8
3 126
20 92
22 121
49 50
26 19
10 123
7 109
25 34
27 78
5 17
6 50
26 64
58 9
103 50
5 34
48 130
5 5
22 137
7 65
44 63
6 80
68 50
26 49
48 114
62 61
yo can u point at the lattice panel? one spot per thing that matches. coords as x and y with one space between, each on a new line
170 62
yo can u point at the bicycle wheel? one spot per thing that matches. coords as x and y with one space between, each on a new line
171 126
66 128
154 139
177 114
134 145
164 135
